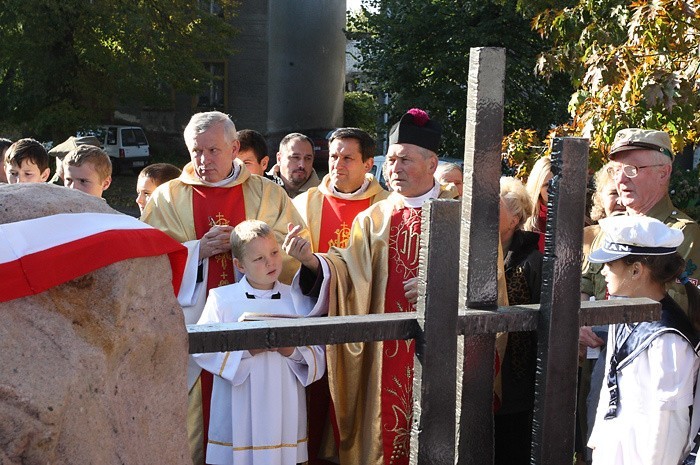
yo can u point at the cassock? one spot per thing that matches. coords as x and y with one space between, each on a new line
185 209
258 402
644 414
329 215
371 384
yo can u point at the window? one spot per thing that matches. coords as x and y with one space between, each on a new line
111 136
214 97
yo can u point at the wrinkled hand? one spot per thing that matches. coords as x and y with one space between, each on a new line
587 338
410 289
299 248
215 241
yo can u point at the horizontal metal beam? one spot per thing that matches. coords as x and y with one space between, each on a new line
267 334
602 312
365 328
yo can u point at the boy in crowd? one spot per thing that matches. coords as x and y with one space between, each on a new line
258 406
4 145
253 151
151 177
26 161
87 169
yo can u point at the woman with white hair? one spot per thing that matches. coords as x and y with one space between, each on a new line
450 173
523 272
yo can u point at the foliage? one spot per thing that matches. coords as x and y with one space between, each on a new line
634 64
360 111
685 191
65 64
521 149
417 52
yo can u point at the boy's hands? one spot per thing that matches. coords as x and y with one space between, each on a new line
299 248
215 241
285 351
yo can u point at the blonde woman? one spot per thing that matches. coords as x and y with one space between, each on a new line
537 185
523 272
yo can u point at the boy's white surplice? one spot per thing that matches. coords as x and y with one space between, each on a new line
258 407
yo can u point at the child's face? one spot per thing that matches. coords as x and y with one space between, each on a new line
3 176
144 188
251 162
617 278
28 172
85 178
261 263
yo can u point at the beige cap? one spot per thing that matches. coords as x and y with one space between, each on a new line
635 139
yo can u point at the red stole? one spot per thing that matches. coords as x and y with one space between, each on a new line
397 356
337 217
211 206
223 207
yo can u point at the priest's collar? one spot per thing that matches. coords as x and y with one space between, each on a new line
259 293
233 175
417 202
350 195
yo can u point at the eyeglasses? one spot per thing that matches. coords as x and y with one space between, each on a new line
630 171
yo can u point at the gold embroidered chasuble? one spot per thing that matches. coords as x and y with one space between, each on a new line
358 286
310 206
170 208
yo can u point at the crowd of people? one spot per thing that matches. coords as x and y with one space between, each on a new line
278 242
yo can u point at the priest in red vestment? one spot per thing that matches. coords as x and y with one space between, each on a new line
200 208
329 211
371 384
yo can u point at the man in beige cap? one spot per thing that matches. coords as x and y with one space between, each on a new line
641 162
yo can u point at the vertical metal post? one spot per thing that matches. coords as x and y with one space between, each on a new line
435 375
555 388
479 245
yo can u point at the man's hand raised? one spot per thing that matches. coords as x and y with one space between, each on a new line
299 248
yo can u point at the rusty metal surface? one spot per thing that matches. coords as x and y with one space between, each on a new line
555 389
435 374
300 332
482 170
519 318
619 311
479 246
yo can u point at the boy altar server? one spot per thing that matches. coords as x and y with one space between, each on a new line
258 413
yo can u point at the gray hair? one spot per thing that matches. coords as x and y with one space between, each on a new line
202 122
516 198
444 168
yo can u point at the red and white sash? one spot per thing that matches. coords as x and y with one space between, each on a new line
41 253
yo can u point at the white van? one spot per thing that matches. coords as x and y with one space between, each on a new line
126 146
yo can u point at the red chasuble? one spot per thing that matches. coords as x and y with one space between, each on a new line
337 217
224 207
397 356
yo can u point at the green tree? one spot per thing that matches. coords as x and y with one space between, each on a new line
68 63
634 64
360 110
417 52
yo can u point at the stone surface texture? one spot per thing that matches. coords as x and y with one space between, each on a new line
91 371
